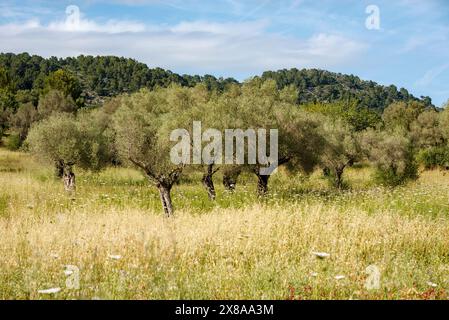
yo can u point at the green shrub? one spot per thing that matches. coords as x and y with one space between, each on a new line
392 176
13 142
435 157
392 154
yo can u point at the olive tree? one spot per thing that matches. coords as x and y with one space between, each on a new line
262 105
67 141
426 131
301 140
143 124
402 114
22 120
342 149
391 152
199 106
55 101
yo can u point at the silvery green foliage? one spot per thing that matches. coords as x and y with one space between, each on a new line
143 123
341 149
426 130
444 123
70 140
55 102
392 153
402 114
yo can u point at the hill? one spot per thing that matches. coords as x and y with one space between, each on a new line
323 86
105 76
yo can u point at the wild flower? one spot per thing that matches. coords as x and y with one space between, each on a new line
321 255
49 291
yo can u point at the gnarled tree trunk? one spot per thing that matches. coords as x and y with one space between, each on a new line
338 176
262 180
262 184
69 178
164 193
59 169
208 182
163 182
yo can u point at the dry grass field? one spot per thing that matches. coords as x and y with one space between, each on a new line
113 231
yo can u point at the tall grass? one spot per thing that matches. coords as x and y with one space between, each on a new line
238 247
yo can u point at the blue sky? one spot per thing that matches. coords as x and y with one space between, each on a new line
239 39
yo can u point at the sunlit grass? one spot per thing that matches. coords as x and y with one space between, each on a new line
238 247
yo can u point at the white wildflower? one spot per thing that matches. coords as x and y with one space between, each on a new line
321 255
49 291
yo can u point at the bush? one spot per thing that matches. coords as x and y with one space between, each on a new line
392 154
391 177
13 142
435 157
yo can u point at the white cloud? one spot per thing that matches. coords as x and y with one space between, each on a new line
431 75
224 28
111 26
228 49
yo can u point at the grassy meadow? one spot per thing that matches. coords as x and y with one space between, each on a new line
238 247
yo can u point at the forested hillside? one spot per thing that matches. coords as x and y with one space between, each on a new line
103 76
106 76
324 86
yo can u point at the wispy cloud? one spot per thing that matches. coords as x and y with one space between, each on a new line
190 46
431 75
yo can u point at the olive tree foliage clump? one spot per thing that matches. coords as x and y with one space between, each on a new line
426 131
22 120
349 111
261 105
67 141
391 151
55 101
402 114
444 123
143 124
199 105
341 150
429 138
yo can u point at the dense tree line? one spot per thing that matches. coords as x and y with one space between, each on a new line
101 76
323 86
106 76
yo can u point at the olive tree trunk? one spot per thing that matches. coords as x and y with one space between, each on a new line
262 184
338 176
262 180
163 182
165 195
208 182
69 178
59 169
